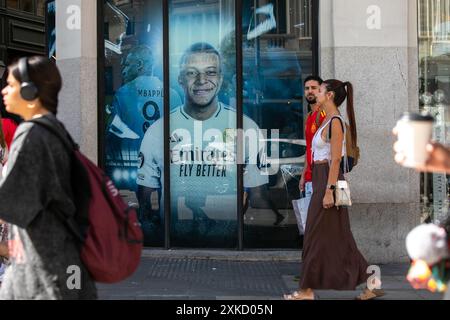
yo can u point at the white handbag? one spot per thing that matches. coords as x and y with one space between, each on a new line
342 196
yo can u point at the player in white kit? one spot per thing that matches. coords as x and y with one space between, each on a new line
203 161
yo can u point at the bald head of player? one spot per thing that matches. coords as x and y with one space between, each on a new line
138 62
201 77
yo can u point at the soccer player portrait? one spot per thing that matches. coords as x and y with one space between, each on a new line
203 169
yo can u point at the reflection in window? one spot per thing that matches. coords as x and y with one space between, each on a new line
434 73
134 104
279 11
277 57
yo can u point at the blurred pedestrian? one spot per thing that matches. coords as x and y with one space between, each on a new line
8 127
438 161
4 252
36 194
7 130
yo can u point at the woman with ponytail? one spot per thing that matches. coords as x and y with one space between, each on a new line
331 259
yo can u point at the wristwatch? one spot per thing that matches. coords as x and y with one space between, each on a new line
331 186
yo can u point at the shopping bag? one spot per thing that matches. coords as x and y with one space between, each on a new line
301 213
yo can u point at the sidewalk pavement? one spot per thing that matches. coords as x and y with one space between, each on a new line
233 275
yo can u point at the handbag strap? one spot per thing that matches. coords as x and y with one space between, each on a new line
346 166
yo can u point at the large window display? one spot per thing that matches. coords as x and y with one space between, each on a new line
277 49
203 179
434 55
133 103
201 117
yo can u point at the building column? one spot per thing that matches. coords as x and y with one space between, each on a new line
76 52
373 44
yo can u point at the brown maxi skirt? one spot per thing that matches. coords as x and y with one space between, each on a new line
330 259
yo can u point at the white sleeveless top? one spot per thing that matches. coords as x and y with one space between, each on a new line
322 150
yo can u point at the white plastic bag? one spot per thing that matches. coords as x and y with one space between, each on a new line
301 212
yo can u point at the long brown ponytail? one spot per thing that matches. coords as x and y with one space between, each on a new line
342 91
351 112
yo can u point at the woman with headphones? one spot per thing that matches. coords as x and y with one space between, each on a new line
35 193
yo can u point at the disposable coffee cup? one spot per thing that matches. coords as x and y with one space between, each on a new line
414 133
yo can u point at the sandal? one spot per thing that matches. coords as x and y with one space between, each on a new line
370 294
296 295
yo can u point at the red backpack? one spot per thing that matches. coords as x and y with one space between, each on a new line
108 229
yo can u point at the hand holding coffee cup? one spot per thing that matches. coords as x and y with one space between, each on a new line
414 133
438 159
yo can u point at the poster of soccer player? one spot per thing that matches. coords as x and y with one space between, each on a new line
203 170
134 98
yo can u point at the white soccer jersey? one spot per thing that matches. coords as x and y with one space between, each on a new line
203 165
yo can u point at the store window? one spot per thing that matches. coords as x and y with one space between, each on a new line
204 110
203 182
434 57
277 46
134 103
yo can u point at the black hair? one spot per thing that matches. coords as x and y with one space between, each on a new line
45 75
200 47
313 78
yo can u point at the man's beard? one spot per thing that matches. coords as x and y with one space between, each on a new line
313 101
